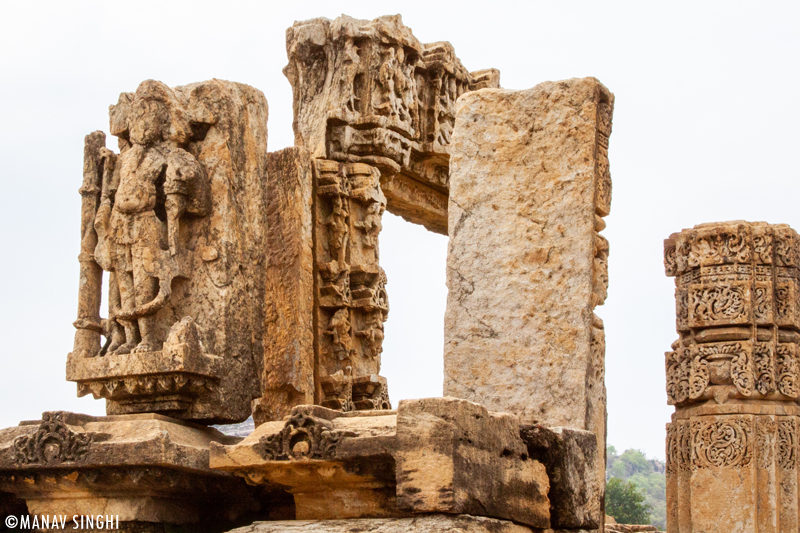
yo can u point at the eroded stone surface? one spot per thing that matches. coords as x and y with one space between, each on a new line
139 467
529 183
422 524
431 456
732 445
369 91
326 290
177 219
569 455
454 456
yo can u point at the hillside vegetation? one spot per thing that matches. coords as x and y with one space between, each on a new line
648 475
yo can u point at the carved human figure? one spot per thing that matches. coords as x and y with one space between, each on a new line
340 332
140 212
339 229
373 334
347 75
372 225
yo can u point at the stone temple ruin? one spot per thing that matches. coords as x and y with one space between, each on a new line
244 282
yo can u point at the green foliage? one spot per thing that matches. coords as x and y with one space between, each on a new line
625 503
647 475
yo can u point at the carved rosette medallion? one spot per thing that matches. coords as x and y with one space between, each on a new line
52 443
303 437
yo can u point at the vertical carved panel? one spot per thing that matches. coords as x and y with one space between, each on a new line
352 300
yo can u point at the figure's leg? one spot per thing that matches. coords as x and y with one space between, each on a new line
115 331
128 304
146 290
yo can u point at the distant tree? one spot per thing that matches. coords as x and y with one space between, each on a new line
625 503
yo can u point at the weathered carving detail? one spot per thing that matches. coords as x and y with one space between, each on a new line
370 92
736 292
679 446
766 433
722 442
183 305
787 444
353 304
52 443
733 284
303 437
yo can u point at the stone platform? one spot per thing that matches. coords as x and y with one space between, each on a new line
143 468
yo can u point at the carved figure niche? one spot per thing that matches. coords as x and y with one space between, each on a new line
176 221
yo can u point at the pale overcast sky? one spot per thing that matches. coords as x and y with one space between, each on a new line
705 129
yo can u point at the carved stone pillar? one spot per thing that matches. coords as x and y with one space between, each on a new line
732 376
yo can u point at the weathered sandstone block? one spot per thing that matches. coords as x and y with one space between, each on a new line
369 91
421 524
337 465
177 220
734 378
529 183
142 468
439 455
570 457
454 456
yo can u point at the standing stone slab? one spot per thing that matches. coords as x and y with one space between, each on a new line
529 183
289 341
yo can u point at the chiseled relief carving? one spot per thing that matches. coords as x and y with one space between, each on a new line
734 282
370 92
176 221
787 443
302 437
722 442
352 299
733 375
52 443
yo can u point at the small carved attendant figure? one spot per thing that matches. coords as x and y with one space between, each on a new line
340 331
372 225
156 182
373 334
339 231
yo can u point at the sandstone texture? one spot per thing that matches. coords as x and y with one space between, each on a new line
289 361
371 92
732 445
145 467
570 457
437 455
454 456
178 221
421 524
529 183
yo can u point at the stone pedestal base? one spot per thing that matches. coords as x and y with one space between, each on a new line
137 468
